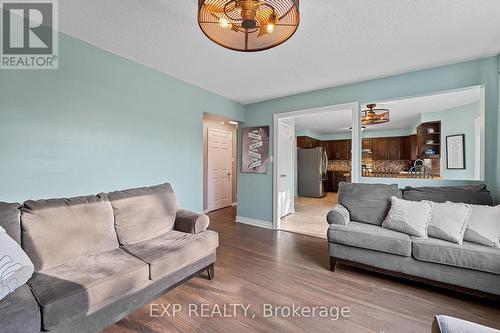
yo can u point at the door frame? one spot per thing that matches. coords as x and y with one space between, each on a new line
356 147
292 167
209 193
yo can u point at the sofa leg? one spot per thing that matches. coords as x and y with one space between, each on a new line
333 264
211 271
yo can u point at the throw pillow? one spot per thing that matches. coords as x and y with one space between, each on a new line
409 217
448 221
484 226
15 266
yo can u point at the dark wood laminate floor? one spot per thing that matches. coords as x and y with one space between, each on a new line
257 266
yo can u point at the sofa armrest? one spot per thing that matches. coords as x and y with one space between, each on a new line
190 222
338 215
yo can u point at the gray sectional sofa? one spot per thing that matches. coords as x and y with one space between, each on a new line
356 237
98 258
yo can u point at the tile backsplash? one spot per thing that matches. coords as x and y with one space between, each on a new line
401 165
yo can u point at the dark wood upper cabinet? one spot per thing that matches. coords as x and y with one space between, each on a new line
379 149
334 153
386 148
409 147
367 143
307 142
339 149
344 149
394 148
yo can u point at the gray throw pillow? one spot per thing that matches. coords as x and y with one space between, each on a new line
367 203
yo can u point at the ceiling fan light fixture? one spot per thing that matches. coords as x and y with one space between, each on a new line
248 25
373 116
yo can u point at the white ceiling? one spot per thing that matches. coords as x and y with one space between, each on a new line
338 42
404 113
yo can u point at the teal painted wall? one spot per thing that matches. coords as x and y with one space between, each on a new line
100 123
458 120
255 191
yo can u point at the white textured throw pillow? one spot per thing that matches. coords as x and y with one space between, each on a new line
483 226
409 217
15 266
448 221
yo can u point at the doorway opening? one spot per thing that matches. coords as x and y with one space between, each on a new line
314 153
219 162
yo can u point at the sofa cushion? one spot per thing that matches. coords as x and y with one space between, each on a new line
370 237
19 312
57 230
84 285
470 194
143 213
10 220
368 203
173 250
468 255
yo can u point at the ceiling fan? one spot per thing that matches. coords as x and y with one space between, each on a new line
248 25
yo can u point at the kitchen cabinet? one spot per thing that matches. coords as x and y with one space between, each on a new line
367 143
379 149
394 148
330 182
429 140
339 150
386 148
338 177
345 149
307 142
334 150
409 147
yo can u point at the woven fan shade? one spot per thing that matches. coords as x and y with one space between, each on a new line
248 25
373 116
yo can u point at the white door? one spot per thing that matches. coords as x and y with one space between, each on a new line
285 167
219 169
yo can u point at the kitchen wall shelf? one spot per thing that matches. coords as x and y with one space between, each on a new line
426 132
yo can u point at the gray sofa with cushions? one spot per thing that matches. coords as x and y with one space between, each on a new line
356 237
98 258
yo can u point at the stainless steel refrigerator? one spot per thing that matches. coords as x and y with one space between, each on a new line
312 167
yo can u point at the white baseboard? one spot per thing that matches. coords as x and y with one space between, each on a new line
254 222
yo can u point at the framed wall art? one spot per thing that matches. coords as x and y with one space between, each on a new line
255 149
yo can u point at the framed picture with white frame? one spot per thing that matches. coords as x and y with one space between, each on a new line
455 152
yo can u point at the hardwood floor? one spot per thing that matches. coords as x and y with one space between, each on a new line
258 266
309 217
